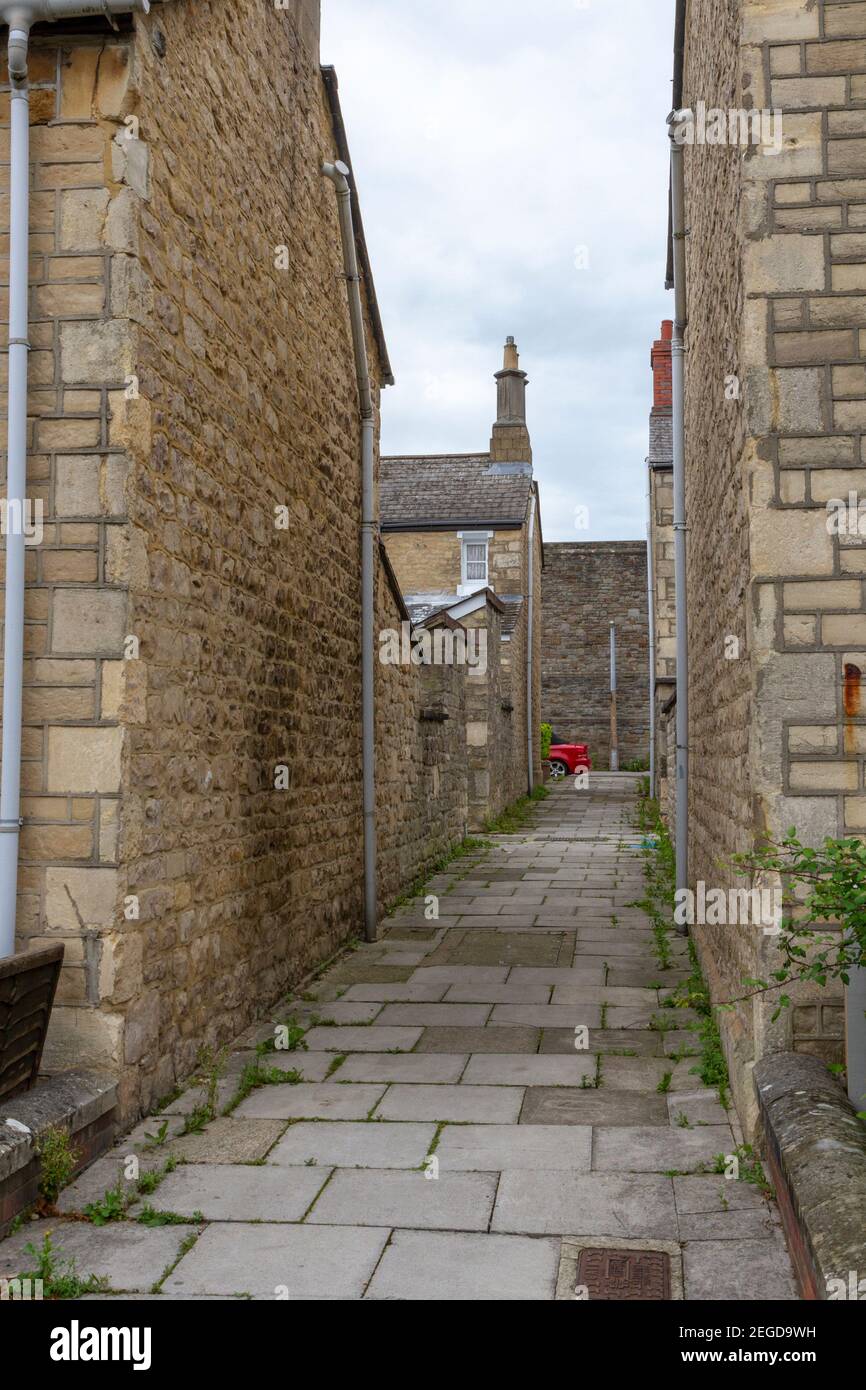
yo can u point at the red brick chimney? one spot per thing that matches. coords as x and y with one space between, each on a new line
660 359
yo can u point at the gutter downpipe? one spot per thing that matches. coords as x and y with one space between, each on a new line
678 351
20 19
530 619
651 614
338 174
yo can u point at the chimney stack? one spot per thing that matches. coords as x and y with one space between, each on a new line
660 359
510 441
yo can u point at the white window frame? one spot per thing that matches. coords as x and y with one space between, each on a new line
472 586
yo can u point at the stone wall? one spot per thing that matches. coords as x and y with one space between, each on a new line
192 742
586 586
776 305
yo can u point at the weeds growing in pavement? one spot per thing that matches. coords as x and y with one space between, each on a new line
59 1279
516 817
255 1075
57 1159
470 848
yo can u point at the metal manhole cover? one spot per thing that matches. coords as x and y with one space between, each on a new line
637 1276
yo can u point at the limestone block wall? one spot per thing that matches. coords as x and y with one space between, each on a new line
776 303
586 585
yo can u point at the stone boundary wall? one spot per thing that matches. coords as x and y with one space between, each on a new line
585 586
777 284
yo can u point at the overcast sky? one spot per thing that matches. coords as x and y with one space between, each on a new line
499 146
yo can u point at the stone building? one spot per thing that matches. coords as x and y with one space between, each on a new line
192 727
661 523
588 585
457 529
775 409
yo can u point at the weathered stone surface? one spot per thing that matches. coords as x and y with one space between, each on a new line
455 1201
309 1262
496 1148
428 1265
564 1106
131 1257
556 1203
234 1192
346 1145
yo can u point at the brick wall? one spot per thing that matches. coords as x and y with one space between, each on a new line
586 586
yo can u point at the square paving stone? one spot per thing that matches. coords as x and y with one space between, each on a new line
131 1257
321 1263
234 1192
372 1197
493 1148
407 1066
743 1270
372 1039
443 1267
482 1104
347 1145
520 1069
431 1015
562 1106
586 1015
558 1203
499 1039
652 1149
701 1107
229 1140
315 1101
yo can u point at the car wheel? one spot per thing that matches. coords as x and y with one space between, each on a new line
558 769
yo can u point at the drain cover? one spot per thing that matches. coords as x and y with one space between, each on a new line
641 1276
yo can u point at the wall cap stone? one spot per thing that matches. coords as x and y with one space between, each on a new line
817 1155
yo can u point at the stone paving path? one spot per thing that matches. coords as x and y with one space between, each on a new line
445 1137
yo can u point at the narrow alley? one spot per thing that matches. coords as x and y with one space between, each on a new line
480 1107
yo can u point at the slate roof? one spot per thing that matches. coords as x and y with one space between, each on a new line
449 489
661 449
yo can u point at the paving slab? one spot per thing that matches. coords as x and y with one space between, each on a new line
460 975
396 1197
604 1040
334 1011
562 1106
653 1149
237 1192
647 1073
131 1257
449 1267
520 1069
431 1067
373 1039
342 1144
563 1203
742 1270
482 1104
701 1107
494 1148
586 1015
717 1208
314 1101
498 1039
399 993
499 994
432 1015
309 1262
229 1140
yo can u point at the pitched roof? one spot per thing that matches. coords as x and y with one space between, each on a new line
448 490
661 448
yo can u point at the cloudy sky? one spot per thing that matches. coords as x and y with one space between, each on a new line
512 163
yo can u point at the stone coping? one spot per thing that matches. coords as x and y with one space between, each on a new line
816 1149
73 1099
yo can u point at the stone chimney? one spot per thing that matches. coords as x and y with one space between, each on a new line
509 443
660 359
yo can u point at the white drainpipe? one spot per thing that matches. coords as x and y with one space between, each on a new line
20 19
338 174
530 625
678 374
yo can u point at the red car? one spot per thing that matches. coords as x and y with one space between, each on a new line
568 758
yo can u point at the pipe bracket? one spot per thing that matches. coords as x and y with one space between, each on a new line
10 827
